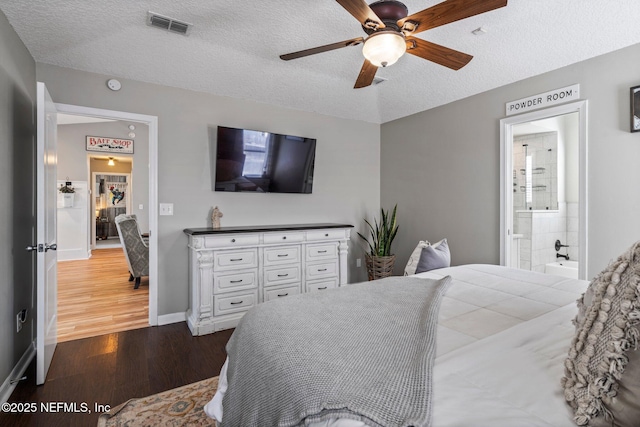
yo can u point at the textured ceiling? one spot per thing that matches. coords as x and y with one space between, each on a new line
233 48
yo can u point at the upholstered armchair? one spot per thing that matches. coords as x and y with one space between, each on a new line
136 250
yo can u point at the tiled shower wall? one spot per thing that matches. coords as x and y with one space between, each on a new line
572 232
540 230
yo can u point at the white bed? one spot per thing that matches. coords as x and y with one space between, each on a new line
503 336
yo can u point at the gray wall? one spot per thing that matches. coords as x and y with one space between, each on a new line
17 131
72 159
442 166
346 184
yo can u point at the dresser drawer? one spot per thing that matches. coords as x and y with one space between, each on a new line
282 255
322 251
228 260
321 285
234 303
286 291
322 270
235 281
282 275
283 237
231 240
326 235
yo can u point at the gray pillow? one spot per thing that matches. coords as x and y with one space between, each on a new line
602 372
433 257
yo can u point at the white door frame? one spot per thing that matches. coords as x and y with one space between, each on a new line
152 122
506 176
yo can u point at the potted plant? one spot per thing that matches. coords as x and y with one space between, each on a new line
67 194
379 259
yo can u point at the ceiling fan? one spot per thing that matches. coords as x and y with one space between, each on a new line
390 31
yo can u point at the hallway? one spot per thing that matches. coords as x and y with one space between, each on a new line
95 297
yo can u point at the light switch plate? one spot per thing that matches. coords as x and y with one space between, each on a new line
166 208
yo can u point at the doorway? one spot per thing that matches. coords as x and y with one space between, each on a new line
111 197
151 203
95 296
544 190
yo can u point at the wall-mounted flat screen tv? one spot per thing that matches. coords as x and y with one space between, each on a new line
263 162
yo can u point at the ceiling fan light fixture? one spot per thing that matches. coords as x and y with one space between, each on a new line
384 48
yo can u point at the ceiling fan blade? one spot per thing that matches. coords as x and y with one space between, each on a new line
367 73
362 12
320 49
447 12
439 54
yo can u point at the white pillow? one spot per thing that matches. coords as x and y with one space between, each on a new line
412 264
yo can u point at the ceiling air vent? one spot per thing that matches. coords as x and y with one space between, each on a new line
377 80
169 24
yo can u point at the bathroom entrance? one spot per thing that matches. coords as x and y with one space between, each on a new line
544 191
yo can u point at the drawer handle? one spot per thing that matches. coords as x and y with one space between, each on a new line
283 275
283 295
233 240
322 269
326 235
322 288
284 237
322 252
236 302
235 259
283 255
236 281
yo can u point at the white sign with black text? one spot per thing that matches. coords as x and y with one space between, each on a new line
535 102
109 145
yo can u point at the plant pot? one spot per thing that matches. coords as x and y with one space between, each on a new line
67 200
379 266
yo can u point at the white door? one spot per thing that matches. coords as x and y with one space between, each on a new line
47 281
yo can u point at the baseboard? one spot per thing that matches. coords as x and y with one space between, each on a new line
73 254
17 372
167 319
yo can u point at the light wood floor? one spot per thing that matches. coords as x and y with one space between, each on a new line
95 297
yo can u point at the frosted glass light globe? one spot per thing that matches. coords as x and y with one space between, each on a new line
384 48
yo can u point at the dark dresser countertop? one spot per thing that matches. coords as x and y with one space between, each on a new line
262 228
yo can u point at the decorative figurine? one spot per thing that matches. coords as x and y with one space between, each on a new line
215 218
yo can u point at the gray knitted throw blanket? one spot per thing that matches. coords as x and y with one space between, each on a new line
363 352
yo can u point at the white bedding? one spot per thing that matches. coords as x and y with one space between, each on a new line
503 335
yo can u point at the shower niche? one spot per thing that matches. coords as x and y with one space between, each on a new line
535 172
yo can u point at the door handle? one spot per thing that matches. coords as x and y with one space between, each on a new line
41 248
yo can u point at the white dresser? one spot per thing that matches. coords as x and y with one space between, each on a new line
231 269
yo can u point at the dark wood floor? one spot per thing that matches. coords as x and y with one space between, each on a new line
110 369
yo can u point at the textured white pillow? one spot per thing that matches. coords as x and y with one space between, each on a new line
415 257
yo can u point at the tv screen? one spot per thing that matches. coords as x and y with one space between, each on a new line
263 162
